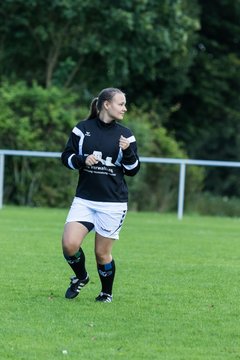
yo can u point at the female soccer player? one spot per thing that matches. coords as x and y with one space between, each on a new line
103 151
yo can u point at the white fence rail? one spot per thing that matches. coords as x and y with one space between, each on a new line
181 162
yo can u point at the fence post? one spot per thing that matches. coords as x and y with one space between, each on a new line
181 190
1 179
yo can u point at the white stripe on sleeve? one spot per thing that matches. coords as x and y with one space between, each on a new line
70 162
130 167
77 132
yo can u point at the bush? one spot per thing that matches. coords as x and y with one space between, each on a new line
208 204
156 186
37 119
41 119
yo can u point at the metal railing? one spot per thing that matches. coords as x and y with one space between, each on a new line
155 160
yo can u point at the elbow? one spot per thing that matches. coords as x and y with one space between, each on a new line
65 160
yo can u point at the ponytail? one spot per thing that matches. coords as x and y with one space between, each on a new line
93 109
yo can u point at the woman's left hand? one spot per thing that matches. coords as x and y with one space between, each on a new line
123 143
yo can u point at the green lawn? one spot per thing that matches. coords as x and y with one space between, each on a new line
176 294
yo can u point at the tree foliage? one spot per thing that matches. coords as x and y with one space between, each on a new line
36 119
41 119
177 60
209 118
129 43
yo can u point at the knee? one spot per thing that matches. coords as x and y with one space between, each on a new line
69 246
102 257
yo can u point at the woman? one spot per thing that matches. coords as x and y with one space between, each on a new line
103 151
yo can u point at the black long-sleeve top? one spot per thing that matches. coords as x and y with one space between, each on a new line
104 181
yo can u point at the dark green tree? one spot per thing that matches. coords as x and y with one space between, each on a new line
137 45
208 116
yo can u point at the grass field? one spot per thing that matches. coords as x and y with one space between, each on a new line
176 294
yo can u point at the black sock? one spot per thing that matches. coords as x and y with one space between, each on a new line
106 273
77 263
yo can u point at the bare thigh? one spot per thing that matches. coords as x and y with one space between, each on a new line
103 249
73 236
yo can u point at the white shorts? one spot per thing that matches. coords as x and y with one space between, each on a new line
107 217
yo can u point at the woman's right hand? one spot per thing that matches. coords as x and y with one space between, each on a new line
91 160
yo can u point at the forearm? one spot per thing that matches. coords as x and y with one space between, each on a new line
72 161
130 162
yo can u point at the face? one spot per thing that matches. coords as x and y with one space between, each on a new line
116 108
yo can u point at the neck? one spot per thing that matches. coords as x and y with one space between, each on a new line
105 118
